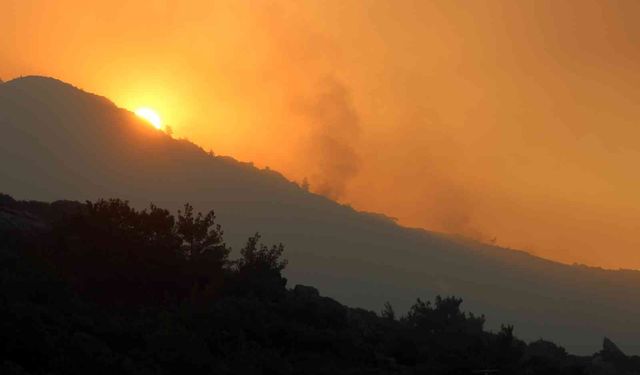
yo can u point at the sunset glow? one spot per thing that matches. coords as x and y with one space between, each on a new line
404 186
512 120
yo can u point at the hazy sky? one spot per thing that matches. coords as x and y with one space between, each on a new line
508 120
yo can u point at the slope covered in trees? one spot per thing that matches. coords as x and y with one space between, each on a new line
103 288
58 142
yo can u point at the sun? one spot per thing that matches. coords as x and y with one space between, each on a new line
150 115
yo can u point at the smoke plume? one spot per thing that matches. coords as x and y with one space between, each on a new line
334 129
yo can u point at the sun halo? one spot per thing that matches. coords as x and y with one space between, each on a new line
150 116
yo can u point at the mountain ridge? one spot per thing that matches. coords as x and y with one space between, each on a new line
63 143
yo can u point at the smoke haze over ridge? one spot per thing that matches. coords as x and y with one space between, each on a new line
60 142
515 120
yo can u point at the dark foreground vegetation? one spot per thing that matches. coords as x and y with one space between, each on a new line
101 288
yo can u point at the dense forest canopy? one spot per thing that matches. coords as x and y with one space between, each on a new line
104 288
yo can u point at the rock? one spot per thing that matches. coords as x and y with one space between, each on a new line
306 291
610 351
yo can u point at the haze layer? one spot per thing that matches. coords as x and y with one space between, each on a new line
506 120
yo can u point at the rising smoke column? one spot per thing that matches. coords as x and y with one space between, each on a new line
334 130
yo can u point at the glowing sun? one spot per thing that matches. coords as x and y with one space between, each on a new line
151 116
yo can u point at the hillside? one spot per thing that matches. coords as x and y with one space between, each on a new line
103 288
58 142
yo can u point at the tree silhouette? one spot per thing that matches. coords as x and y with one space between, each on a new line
201 237
259 268
305 184
259 257
388 312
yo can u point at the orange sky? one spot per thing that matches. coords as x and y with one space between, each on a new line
515 120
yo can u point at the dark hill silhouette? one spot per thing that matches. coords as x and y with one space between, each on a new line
58 142
104 288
